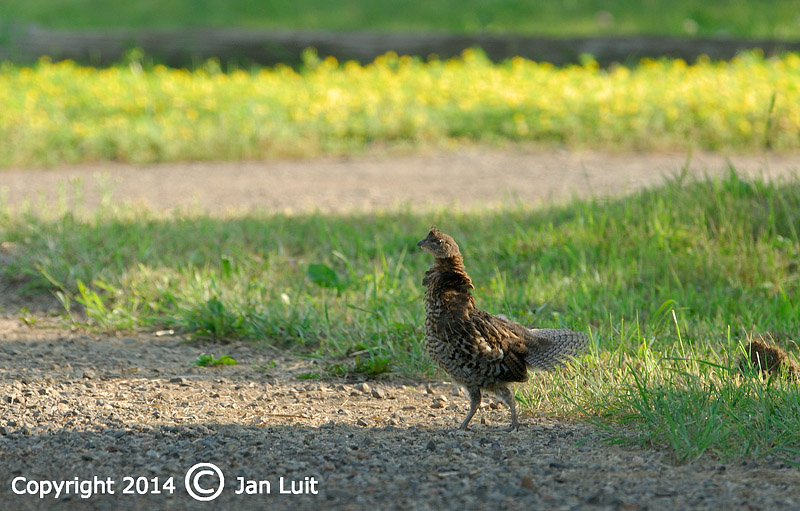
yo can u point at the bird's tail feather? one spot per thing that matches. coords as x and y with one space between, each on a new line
548 347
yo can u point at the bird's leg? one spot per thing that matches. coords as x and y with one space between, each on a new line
474 402
507 396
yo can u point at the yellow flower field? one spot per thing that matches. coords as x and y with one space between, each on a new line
62 112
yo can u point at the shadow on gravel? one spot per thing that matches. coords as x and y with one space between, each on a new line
347 466
352 468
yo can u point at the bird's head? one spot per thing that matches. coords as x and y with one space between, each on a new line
440 245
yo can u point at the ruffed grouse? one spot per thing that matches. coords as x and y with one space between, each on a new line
479 350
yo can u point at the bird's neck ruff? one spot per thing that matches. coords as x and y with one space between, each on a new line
448 272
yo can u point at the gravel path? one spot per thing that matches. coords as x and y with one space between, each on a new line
81 406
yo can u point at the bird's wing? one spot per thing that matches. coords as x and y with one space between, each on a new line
500 344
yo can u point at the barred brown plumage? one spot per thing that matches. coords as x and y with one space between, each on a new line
479 350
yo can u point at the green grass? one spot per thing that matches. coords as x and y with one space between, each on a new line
211 361
668 282
746 18
682 393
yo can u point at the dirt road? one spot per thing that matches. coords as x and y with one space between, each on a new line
133 416
464 178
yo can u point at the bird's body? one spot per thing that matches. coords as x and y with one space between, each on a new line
477 349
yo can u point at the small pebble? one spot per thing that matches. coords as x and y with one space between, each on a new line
527 482
362 387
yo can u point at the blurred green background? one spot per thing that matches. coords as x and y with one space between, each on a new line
711 18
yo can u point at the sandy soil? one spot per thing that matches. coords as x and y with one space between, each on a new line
79 405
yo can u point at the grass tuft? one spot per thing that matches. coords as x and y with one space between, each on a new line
211 361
